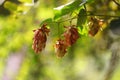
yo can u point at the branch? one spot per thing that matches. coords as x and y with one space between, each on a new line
86 15
116 2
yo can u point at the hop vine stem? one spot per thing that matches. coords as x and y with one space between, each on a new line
58 29
91 14
87 15
85 7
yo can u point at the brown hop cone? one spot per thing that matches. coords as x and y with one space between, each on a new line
71 35
94 26
60 48
40 38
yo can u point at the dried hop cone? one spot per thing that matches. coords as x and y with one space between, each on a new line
40 38
71 35
94 26
60 48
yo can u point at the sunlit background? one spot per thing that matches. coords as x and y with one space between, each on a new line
87 59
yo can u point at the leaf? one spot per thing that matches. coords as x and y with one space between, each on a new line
67 8
46 21
82 16
26 1
89 1
10 6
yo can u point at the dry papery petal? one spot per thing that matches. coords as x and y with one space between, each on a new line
40 38
71 35
60 48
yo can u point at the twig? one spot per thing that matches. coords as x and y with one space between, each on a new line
86 15
85 7
116 2
66 20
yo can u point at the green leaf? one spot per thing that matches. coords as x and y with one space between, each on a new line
46 21
67 8
82 16
26 1
10 6
89 1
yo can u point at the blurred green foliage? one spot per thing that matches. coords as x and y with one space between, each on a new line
87 59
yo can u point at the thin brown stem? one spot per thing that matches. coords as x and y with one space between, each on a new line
66 20
85 7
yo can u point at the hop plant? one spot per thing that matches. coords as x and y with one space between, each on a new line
40 38
71 35
94 26
60 48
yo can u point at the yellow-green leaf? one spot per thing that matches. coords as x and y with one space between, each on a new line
26 1
10 6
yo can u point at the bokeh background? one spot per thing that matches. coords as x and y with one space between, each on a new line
87 59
